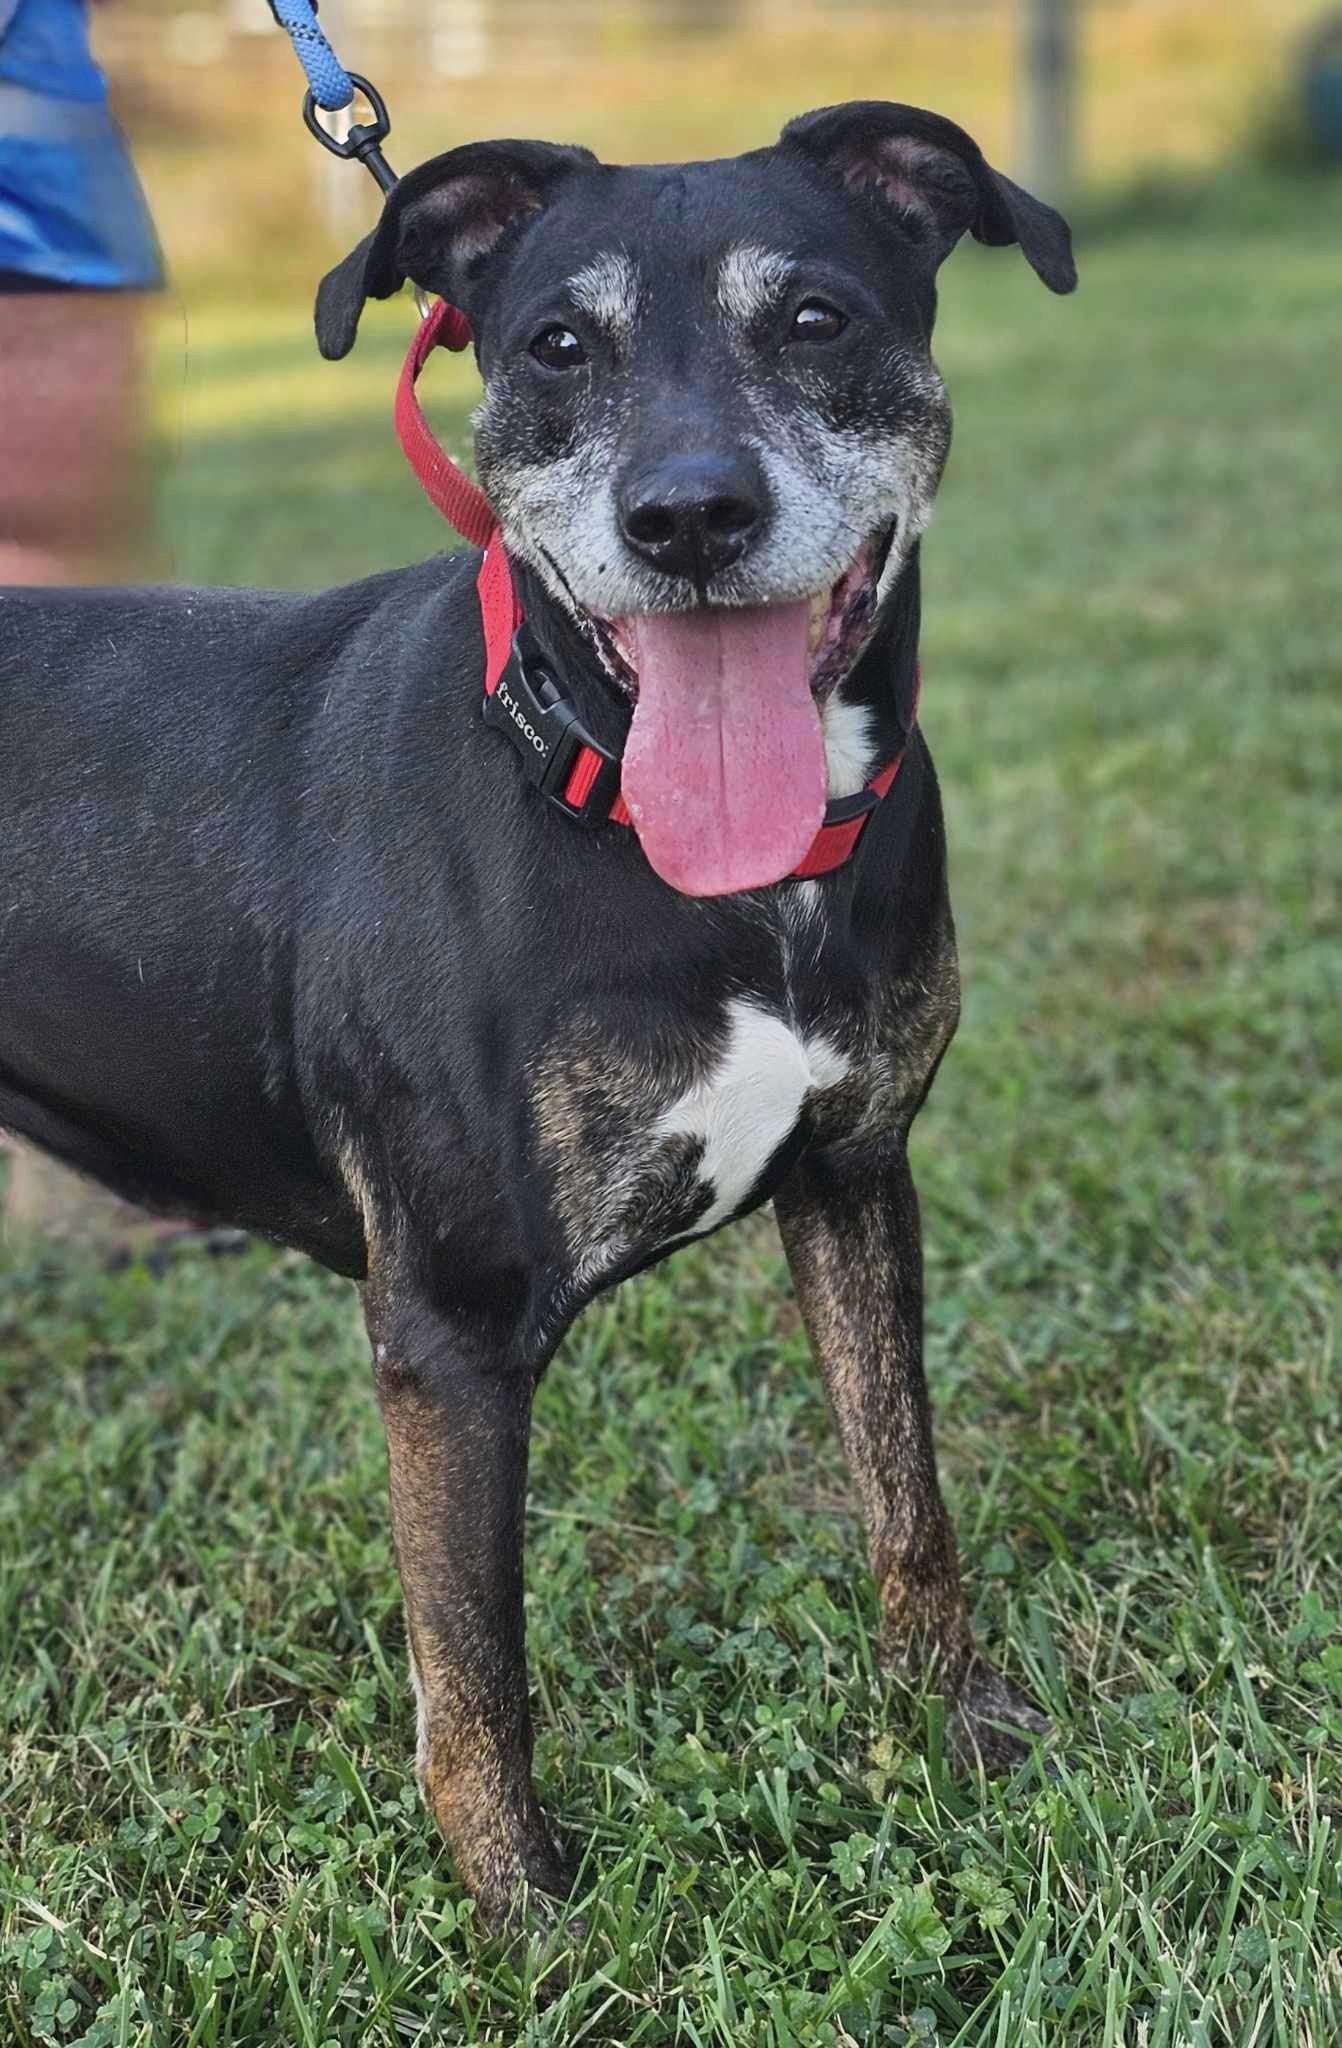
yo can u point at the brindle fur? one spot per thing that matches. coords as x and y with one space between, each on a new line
457 1418
614 1191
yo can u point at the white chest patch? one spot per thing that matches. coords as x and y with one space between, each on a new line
749 1102
848 747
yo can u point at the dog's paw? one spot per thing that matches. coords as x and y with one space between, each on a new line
539 1938
991 1725
521 1879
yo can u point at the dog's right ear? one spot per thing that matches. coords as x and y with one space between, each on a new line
439 224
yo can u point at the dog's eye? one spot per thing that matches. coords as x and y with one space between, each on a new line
817 320
558 348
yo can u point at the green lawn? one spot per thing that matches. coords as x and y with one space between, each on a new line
1130 1169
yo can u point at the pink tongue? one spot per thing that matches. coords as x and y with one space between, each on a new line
724 770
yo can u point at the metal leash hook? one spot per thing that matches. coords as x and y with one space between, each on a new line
364 139
331 88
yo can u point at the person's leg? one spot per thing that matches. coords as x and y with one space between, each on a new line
72 436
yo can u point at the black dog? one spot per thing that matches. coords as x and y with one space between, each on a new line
288 938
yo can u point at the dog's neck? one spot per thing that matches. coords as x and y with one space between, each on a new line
866 718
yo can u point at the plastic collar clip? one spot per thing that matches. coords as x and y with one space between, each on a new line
543 725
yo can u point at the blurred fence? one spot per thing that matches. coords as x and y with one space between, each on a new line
466 38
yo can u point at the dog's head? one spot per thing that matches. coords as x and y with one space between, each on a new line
711 420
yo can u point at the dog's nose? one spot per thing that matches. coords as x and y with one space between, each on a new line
693 515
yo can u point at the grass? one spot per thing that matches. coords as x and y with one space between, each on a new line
1130 1173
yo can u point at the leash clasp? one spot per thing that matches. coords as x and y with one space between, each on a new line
363 141
578 775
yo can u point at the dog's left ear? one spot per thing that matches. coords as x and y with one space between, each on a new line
439 224
935 175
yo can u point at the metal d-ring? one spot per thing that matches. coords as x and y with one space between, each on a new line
365 139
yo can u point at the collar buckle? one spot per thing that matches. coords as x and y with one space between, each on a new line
526 705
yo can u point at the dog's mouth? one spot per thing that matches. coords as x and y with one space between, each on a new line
724 769
838 620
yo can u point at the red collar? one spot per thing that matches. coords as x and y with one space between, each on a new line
577 774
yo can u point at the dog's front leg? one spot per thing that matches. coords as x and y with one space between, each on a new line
456 1407
854 1245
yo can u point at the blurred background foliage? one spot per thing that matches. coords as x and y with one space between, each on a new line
243 199
1175 100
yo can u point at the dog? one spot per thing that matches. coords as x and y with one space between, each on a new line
293 941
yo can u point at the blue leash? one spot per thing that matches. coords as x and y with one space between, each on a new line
331 87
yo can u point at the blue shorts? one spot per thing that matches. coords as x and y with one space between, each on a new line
71 208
